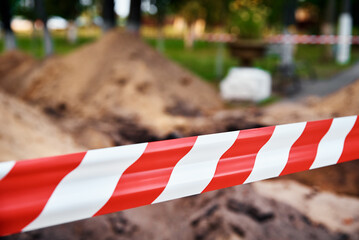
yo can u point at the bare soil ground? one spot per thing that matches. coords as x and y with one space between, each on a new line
117 78
233 213
118 91
26 132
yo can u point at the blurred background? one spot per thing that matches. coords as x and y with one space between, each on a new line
87 74
182 30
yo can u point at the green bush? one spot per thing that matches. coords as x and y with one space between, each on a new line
248 19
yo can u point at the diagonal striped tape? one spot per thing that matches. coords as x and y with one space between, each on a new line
43 192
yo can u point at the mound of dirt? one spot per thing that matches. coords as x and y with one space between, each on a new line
26 132
118 77
289 112
341 103
14 69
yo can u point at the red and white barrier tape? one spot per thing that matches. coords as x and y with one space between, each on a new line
218 37
43 192
313 39
290 38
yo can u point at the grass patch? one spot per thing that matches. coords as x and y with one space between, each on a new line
201 60
314 56
33 44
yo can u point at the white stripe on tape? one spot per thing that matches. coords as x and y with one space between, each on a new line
5 168
195 170
87 188
273 156
331 146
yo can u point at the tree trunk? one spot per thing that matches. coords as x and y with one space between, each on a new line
160 17
108 15
5 12
49 49
41 14
190 35
134 18
328 27
160 45
219 60
72 32
345 32
288 47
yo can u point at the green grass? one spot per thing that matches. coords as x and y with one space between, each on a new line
201 60
314 56
33 44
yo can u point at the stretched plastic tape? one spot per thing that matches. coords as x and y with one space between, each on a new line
43 192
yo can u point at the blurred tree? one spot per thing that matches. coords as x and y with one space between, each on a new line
328 26
134 18
248 19
42 15
345 26
215 13
25 9
288 48
68 9
108 15
191 12
275 17
6 16
162 9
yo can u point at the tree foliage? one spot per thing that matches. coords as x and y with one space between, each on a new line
68 9
213 12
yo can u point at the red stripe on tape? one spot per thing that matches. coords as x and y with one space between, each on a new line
27 192
351 144
144 180
237 163
304 150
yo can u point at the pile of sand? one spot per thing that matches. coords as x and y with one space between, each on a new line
15 66
26 132
289 112
341 103
117 77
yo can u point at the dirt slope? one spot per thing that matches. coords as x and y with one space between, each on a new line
26 132
119 76
15 66
341 103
